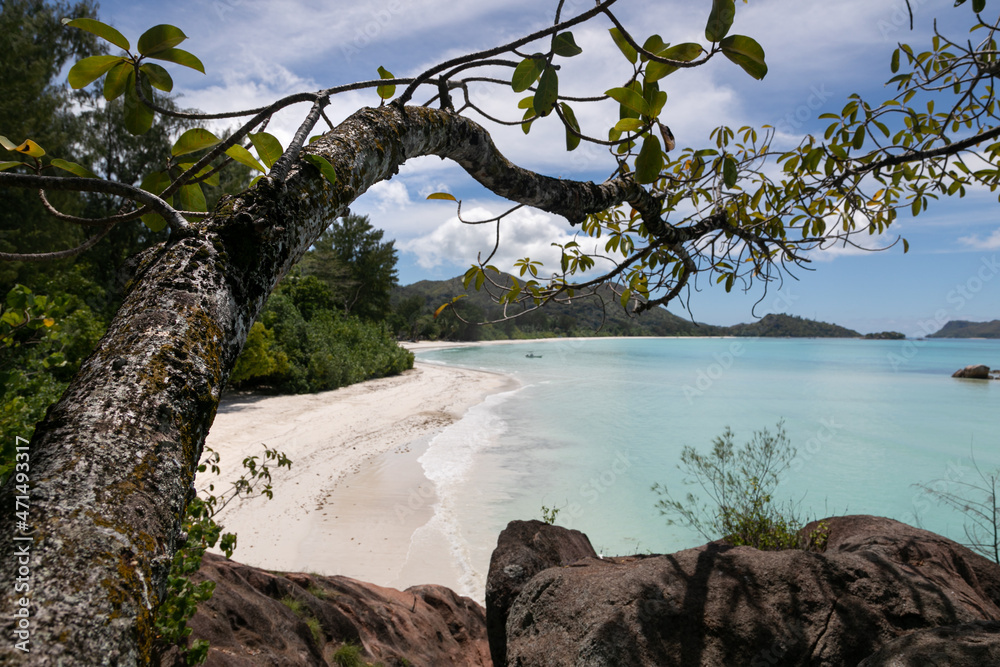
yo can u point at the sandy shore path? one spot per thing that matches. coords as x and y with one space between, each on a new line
337 511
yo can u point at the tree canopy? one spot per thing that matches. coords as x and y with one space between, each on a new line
108 472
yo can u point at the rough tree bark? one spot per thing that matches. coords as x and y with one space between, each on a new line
112 464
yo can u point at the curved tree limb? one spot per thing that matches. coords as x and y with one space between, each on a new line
73 183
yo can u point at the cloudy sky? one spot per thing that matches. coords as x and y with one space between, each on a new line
818 53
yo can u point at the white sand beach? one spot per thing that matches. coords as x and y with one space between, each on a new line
355 493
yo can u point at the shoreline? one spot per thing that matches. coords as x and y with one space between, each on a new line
355 494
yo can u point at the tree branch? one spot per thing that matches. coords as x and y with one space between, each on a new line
72 183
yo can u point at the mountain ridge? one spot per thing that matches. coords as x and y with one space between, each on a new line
586 316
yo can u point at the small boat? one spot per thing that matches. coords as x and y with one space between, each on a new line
532 355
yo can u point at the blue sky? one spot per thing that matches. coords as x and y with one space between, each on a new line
817 53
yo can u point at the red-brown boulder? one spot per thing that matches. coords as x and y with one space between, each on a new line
877 580
247 623
975 372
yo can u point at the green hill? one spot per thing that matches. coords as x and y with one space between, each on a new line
964 329
790 326
585 316
416 303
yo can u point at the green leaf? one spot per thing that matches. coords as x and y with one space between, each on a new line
323 165
654 44
154 221
649 161
193 140
683 52
442 195
564 45
117 79
547 93
102 30
729 171
181 57
192 198
89 69
527 72
623 45
268 147
159 78
525 123
73 168
155 182
7 165
747 53
7 143
720 20
629 99
243 156
906 246
572 140
138 117
212 180
626 295
385 92
894 66
859 138
656 106
160 38
630 125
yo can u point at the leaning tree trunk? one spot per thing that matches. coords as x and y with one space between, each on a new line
112 464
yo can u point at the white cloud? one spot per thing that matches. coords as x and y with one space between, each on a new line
390 194
524 233
974 241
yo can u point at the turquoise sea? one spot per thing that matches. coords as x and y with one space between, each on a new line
597 422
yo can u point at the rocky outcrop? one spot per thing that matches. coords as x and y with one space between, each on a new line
877 581
261 618
524 549
968 645
975 372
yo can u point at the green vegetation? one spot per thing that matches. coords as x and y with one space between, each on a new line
549 514
302 342
885 335
740 483
202 531
964 329
414 307
303 612
777 325
349 655
359 267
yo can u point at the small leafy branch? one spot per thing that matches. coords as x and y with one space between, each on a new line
172 196
202 532
24 315
740 483
977 501
549 514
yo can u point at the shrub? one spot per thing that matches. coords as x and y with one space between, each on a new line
348 655
740 483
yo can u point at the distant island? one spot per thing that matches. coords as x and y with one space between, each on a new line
789 326
585 317
885 335
965 329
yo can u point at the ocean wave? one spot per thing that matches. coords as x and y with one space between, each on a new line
447 463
